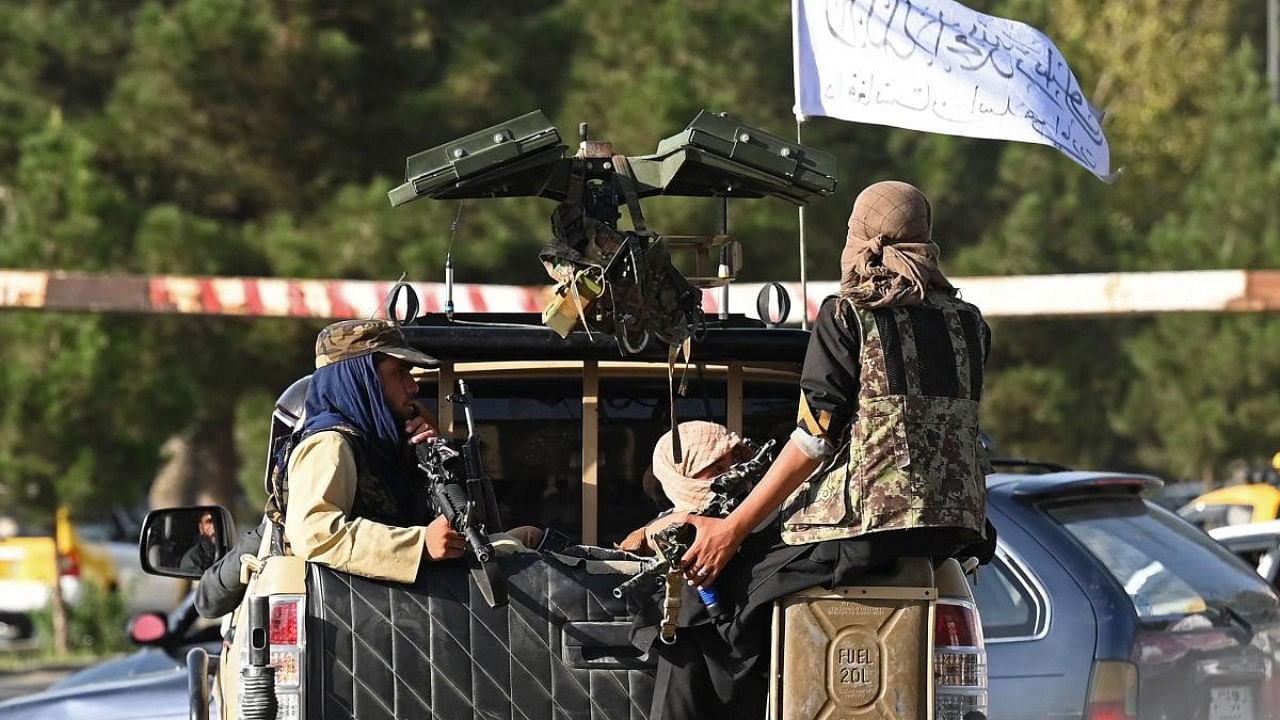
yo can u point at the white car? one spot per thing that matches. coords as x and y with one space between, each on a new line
1258 544
141 592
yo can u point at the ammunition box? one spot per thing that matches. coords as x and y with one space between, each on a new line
514 158
718 155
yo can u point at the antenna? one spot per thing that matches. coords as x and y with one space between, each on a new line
448 264
724 271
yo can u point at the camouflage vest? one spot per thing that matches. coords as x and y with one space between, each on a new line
913 459
373 500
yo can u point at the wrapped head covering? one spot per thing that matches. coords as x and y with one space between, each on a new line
703 443
889 256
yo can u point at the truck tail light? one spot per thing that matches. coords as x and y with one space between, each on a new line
959 660
284 621
287 638
69 564
1113 691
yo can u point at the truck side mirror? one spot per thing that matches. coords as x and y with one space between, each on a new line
185 541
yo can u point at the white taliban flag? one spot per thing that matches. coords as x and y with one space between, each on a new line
937 66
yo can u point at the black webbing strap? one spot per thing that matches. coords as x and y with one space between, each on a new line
625 180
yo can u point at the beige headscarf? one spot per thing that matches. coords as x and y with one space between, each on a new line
703 444
889 256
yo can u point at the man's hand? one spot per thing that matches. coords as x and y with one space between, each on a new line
654 527
421 427
716 543
634 542
443 542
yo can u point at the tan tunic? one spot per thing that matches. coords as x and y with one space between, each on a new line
318 522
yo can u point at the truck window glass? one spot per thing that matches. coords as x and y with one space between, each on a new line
633 415
532 438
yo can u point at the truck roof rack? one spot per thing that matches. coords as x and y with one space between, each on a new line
521 336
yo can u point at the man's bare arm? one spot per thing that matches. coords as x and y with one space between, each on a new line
718 540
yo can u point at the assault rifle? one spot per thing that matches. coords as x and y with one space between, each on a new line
467 502
728 490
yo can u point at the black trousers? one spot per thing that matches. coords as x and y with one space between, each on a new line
721 669
697 679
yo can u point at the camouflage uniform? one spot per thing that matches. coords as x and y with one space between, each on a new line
353 338
909 452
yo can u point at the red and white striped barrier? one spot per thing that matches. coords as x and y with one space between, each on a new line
1099 294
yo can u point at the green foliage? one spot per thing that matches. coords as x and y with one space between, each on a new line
95 623
236 137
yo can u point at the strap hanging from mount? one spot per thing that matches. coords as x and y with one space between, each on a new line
625 180
677 451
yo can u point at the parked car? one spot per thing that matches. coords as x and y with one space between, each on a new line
117 534
1100 604
32 558
1233 505
1257 544
103 553
149 684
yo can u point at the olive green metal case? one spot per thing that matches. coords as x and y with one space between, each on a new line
714 156
511 159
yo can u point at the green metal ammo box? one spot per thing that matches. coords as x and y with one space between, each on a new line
718 155
511 159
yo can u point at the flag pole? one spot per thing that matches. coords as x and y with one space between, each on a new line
796 9
804 276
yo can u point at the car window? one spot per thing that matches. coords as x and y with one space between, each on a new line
1167 567
1005 602
1267 567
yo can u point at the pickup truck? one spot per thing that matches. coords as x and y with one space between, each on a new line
568 429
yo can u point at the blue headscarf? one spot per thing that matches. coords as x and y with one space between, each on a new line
349 393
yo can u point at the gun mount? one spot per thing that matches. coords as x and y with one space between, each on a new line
714 156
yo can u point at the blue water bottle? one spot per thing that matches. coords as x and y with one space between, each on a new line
711 598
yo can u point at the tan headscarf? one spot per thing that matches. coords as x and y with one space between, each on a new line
889 257
703 443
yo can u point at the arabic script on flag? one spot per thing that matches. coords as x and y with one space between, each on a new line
937 66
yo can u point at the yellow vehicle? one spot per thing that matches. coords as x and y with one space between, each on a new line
30 560
1234 505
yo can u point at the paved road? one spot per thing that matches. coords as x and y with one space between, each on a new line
24 683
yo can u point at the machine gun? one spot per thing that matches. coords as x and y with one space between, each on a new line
623 282
673 541
467 502
732 486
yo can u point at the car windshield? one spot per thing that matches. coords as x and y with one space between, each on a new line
1167 567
